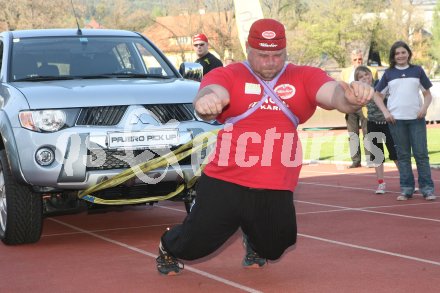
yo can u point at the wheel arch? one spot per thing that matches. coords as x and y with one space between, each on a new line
7 142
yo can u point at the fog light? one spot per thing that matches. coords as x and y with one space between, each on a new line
44 156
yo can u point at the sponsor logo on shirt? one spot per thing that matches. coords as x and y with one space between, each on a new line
252 88
285 91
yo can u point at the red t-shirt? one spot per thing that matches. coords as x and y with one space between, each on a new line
262 150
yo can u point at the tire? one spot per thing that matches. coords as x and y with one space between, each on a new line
21 212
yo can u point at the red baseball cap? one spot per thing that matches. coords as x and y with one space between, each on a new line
267 34
200 37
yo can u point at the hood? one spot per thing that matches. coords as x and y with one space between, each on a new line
103 92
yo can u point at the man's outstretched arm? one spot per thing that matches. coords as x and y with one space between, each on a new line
210 101
346 98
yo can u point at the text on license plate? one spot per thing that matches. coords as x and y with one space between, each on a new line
150 138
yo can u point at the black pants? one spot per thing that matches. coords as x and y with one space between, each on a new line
267 217
389 142
353 120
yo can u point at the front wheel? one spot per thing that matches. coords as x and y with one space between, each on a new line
21 213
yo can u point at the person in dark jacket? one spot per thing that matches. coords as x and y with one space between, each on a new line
204 57
354 119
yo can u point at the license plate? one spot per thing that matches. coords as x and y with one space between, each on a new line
139 139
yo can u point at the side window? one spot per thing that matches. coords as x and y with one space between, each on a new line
151 63
124 56
1 54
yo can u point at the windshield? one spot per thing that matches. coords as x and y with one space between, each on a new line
86 57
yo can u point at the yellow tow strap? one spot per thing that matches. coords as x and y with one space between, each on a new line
200 142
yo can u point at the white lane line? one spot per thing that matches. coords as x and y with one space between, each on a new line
371 249
170 208
111 229
341 186
189 268
344 173
402 216
370 207
367 210
357 174
323 212
345 164
357 246
404 204
343 209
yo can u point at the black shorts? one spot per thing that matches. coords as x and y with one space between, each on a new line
383 128
267 217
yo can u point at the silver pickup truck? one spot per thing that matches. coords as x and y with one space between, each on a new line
78 107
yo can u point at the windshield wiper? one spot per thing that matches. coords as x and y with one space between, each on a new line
137 75
122 75
44 78
95 76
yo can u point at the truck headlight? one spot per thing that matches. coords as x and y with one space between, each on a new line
43 120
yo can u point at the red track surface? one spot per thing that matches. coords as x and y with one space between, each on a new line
350 240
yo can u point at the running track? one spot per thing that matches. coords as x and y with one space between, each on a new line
350 240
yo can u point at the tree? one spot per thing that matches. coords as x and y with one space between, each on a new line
402 21
289 12
24 14
215 18
435 47
317 30
328 31
11 13
223 24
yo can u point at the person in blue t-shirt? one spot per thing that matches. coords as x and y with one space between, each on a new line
405 113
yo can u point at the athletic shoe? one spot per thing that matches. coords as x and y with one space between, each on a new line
354 165
381 188
168 264
404 197
430 196
252 260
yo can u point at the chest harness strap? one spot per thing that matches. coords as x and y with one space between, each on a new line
268 92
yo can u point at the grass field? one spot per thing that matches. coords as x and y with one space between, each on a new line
332 145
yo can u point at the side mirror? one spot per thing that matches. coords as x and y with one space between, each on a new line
190 70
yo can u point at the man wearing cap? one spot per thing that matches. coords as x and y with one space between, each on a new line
360 117
250 179
205 58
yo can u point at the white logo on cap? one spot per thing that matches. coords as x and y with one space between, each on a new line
268 45
268 35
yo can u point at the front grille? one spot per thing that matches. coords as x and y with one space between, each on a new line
101 116
112 115
166 112
115 159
